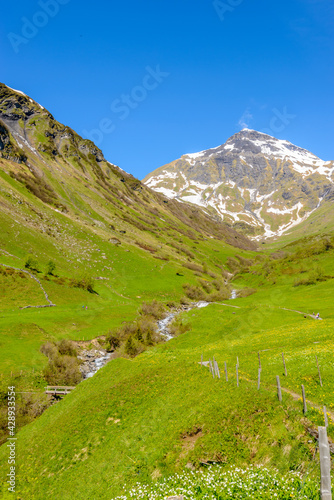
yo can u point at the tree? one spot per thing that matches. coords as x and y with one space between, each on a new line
31 263
50 268
130 347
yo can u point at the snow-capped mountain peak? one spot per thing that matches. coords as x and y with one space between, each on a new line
254 181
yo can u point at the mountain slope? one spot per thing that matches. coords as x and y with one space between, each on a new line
70 174
60 200
256 183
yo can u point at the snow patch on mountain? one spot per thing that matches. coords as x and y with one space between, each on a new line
253 178
25 95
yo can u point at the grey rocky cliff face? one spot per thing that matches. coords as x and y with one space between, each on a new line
19 115
265 184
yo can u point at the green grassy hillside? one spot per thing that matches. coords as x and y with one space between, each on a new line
140 419
115 245
60 200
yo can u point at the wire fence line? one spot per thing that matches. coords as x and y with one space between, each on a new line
324 446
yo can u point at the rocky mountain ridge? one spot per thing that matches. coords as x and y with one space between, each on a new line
57 185
254 182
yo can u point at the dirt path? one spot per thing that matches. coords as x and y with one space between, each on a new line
299 312
282 308
226 305
296 397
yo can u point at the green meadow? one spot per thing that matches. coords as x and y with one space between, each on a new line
105 249
142 419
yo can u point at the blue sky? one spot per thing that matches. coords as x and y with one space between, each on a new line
150 81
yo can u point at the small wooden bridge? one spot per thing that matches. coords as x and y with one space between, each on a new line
58 390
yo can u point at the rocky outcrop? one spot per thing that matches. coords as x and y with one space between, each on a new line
92 360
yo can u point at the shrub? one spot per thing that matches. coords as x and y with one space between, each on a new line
131 347
137 335
144 246
31 263
220 295
154 309
50 350
113 341
194 292
63 365
85 282
317 274
28 405
233 264
184 301
206 285
67 347
50 268
193 267
246 292
62 370
178 327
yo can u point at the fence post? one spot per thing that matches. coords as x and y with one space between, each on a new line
237 361
258 355
237 375
211 369
279 392
319 371
325 465
286 373
258 379
218 372
226 372
325 416
304 401
202 360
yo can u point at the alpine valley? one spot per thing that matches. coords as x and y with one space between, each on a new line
144 329
257 184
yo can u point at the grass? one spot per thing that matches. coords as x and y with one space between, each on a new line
161 412
253 483
125 426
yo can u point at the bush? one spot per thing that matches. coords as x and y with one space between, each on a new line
131 347
317 274
194 292
50 268
220 295
85 282
113 341
178 327
154 309
62 370
67 347
63 365
28 405
233 264
206 285
193 267
246 292
137 335
31 263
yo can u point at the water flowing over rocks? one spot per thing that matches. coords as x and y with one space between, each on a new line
163 323
92 361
